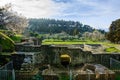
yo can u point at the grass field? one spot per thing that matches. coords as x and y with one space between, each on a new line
79 42
70 42
110 47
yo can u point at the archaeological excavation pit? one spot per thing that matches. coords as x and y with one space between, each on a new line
65 62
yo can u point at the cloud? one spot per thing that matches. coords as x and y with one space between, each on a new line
98 13
3 2
87 8
48 8
62 1
34 8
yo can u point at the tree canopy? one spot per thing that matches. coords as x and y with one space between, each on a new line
53 26
10 20
94 36
114 32
10 23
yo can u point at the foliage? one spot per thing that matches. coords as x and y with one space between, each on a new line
61 36
37 77
4 60
16 38
94 36
8 33
64 76
117 76
6 42
10 20
52 26
33 34
114 32
64 38
112 49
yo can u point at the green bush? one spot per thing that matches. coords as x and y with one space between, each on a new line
16 38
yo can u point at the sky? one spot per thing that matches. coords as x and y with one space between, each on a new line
96 13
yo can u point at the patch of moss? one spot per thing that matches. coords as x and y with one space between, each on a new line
117 77
6 43
64 76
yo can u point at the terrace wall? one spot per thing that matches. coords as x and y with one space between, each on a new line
50 54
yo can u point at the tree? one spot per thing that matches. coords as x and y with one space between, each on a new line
10 20
75 32
53 26
86 35
94 36
114 32
97 36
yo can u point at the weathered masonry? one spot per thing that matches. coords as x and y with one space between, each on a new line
50 54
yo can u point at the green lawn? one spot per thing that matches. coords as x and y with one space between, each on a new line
70 42
52 41
110 47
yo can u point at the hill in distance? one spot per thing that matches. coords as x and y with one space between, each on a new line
57 26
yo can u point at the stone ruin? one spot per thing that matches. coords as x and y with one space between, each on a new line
87 72
78 69
94 48
94 72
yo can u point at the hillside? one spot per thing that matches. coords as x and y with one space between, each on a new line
57 26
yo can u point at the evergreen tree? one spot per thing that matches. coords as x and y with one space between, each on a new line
53 26
114 32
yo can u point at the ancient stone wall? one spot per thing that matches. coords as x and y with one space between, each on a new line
77 55
27 48
50 54
104 58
